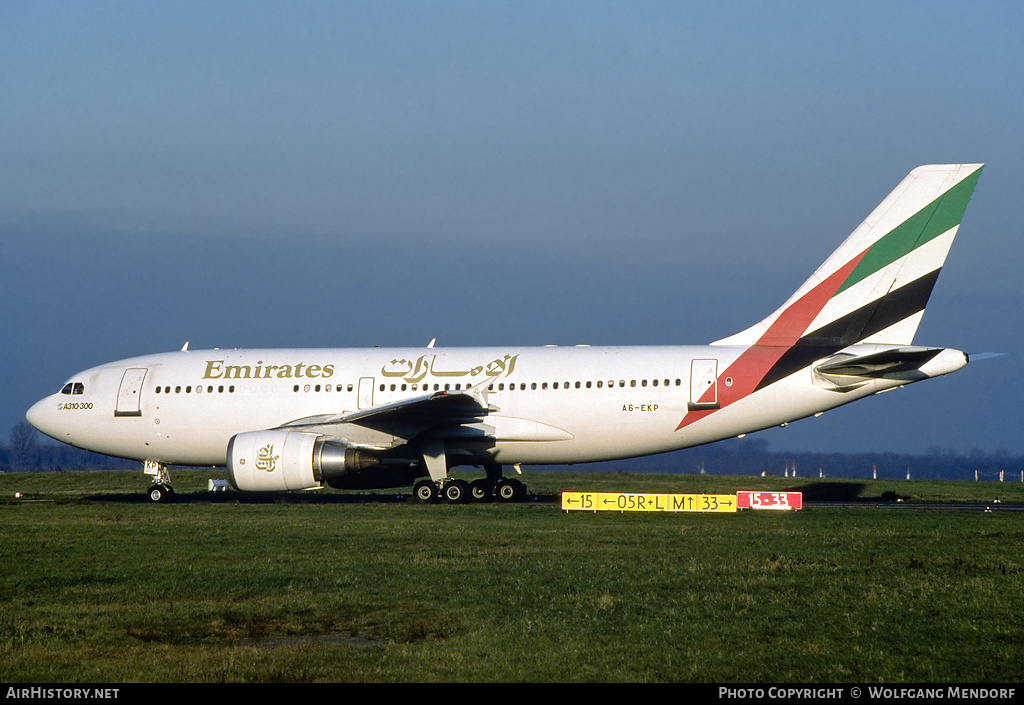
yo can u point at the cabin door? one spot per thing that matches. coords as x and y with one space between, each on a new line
365 400
703 384
129 396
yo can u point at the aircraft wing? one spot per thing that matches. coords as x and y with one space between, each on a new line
440 407
444 414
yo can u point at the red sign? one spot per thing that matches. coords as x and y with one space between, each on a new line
769 500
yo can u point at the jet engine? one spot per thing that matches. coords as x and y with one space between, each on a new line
276 461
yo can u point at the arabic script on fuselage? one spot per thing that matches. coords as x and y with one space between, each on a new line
413 371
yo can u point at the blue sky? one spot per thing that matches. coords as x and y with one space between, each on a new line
242 174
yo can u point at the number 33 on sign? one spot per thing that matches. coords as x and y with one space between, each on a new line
769 500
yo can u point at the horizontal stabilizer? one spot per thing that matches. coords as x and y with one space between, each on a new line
845 371
880 364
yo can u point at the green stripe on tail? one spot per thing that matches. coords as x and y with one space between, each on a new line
939 216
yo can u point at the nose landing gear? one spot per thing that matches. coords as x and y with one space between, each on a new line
162 494
161 491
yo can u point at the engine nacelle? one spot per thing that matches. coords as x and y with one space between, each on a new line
276 461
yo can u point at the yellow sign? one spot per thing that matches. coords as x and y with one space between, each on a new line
632 502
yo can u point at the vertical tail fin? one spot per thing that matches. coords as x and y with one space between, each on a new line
874 288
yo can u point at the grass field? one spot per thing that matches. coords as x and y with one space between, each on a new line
96 584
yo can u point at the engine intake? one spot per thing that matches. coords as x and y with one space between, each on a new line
276 461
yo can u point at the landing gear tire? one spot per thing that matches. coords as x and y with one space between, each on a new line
425 492
161 494
510 490
455 492
481 491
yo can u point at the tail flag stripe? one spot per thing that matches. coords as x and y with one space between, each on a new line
869 320
938 217
875 316
793 322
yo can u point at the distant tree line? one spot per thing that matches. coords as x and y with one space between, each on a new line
752 456
25 452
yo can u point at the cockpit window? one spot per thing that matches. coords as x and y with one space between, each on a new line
73 388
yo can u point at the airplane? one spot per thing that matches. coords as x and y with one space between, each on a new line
304 419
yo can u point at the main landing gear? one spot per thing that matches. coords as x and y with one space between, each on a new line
493 487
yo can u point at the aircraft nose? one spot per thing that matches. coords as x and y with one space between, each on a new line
40 416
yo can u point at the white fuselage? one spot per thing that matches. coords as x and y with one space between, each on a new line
548 405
